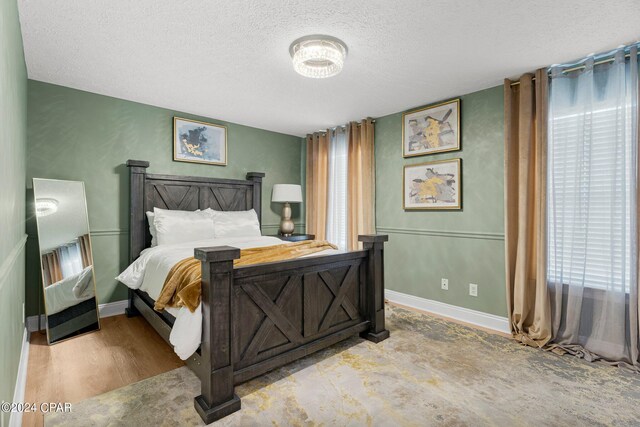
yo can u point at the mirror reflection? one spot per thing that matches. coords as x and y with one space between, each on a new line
66 258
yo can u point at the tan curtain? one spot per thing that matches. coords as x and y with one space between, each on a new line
525 107
51 268
361 182
317 183
85 250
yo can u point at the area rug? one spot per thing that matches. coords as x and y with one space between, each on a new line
430 372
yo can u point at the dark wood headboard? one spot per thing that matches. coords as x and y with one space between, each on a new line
187 193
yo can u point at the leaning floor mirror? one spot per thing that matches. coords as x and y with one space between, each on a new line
66 260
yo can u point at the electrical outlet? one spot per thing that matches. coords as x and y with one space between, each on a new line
473 289
444 284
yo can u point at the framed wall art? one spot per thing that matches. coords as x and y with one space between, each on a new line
199 142
433 185
432 129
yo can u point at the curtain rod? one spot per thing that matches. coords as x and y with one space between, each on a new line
342 127
580 67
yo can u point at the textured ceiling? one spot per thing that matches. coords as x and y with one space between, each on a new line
229 59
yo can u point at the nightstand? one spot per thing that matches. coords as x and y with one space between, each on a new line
296 237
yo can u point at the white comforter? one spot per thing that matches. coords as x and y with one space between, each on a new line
69 291
150 270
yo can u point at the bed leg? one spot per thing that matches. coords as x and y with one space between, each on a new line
375 287
131 311
218 398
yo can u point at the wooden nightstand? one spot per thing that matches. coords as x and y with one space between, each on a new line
296 237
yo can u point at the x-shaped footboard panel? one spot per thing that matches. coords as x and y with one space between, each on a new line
274 315
340 293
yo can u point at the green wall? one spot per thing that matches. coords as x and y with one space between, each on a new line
464 246
82 136
13 124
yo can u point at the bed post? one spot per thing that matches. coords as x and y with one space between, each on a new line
374 244
218 398
256 177
137 175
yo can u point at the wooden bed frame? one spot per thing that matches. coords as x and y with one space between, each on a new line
259 317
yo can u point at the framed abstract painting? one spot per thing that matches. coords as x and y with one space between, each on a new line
199 142
433 185
432 129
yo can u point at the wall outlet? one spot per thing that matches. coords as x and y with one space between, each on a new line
444 284
473 289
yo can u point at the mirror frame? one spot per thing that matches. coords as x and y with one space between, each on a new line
93 269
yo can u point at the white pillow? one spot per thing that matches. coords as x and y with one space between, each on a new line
236 224
182 226
83 288
152 228
151 219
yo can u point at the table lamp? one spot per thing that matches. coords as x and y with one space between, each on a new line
286 193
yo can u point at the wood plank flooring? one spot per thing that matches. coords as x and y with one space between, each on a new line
124 351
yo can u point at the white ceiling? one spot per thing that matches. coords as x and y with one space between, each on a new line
229 59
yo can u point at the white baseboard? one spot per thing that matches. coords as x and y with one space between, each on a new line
478 318
106 310
15 419
113 308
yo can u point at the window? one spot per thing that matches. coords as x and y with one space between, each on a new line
337 189
70 259
592 178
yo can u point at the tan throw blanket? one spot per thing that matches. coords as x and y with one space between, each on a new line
183 285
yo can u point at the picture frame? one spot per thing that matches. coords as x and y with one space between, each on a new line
431 129
435 185
199 142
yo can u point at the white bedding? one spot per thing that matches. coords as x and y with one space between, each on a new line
69 291
150 270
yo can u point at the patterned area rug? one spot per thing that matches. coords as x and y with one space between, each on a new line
430 372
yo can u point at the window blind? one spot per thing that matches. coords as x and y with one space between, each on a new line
337 189
590 183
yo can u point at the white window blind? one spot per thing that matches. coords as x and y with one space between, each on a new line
70 258
591 186
337 190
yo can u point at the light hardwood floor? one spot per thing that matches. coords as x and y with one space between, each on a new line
124 351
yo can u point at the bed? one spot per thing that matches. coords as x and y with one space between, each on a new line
258 317
71 305
69 291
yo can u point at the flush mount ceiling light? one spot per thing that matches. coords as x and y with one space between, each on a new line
318 56
45 207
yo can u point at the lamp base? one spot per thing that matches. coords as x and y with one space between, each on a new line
286 225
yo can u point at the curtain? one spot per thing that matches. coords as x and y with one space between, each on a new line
51 268
593 209
66 260
525 208
317 184
341 184
85 250
337 190
361 182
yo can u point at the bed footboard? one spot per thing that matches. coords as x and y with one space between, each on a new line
374 244
257 318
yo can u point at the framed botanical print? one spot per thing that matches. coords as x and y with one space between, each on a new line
199 142
433 185
432 129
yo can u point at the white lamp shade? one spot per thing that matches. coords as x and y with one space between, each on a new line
291 193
